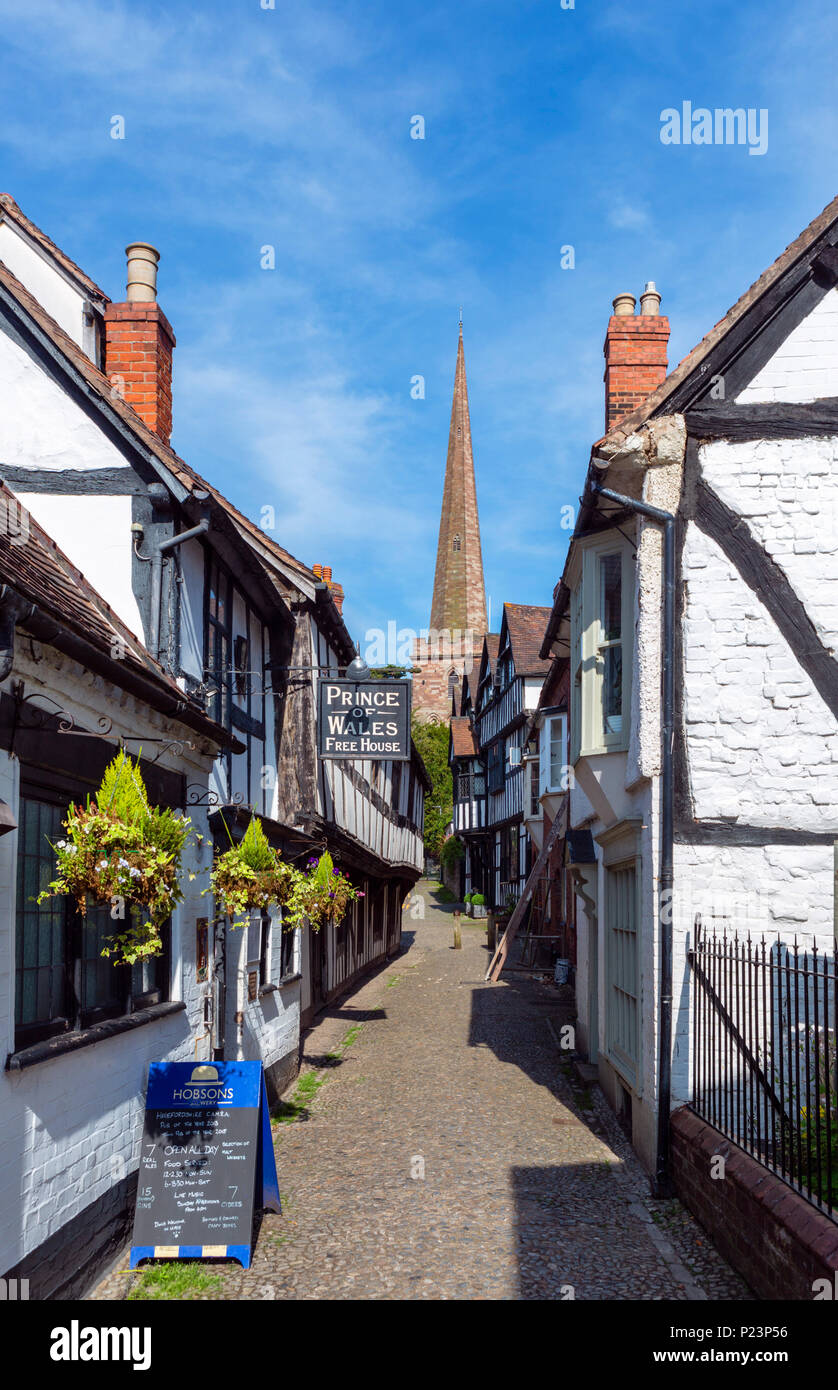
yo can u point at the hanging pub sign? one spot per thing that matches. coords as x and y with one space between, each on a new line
363 719
207 1158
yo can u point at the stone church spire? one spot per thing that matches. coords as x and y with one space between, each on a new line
458 611
459 601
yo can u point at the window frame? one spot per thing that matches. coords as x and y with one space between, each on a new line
588 644
77 1014
495 767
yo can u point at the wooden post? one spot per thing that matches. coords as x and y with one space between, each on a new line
458 935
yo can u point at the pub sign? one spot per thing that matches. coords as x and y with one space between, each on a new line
363 719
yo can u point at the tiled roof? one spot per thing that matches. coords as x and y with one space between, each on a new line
463 743
797 248
526 624
33 566
101 387
9 207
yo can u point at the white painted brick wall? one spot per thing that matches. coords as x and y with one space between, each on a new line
780 891
805 367
70 1127
787 491
762 745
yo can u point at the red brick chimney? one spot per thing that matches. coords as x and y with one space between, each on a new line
635 353
139 343
324 572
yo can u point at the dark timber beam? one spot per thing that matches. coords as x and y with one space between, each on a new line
771 421
748 836
765 578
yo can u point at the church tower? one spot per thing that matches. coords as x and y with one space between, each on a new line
458 609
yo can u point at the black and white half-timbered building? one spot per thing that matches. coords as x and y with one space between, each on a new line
699 612
508 685
243 631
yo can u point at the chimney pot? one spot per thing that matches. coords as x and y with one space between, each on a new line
623 305
142 273
650 300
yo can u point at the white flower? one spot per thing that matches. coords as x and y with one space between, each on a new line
103 863
135 873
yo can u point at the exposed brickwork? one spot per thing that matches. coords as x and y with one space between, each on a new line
139 344
324 572
635 361
776 1240
433 663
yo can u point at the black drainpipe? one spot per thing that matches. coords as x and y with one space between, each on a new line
661 1182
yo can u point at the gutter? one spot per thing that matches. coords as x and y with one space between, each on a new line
157 574
661 1183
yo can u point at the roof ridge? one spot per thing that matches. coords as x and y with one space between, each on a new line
18 215
784 261
99 381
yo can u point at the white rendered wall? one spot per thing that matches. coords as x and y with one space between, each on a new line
56 1158
62 300
805 366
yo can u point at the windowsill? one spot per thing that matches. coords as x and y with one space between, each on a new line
289 979
63 1043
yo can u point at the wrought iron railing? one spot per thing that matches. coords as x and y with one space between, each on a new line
764 1028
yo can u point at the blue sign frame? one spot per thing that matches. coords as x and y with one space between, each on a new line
205 1086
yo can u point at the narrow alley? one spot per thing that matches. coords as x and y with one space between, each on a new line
436 1147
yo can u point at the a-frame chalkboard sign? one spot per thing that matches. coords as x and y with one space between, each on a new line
207 1157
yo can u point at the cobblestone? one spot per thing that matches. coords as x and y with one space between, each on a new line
447 1155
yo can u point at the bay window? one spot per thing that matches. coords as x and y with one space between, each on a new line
602 619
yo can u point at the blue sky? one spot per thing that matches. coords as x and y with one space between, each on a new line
290 127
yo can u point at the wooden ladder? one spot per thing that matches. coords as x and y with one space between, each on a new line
502 950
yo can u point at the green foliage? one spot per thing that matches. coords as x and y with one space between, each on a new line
173 1280
388 673
122 850
432 742
255 850
452 851
252 876
477 900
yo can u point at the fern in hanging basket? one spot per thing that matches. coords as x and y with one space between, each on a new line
250 875
121 850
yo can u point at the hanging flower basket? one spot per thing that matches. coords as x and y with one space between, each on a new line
326 892
250 875
121 850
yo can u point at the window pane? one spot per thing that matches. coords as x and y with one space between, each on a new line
102 983
40 983
556 752
610 597
612 690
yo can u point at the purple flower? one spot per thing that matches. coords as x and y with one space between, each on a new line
331 894
335 871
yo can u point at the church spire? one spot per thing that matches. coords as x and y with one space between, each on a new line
459 601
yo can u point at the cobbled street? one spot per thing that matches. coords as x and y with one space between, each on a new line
443 1151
